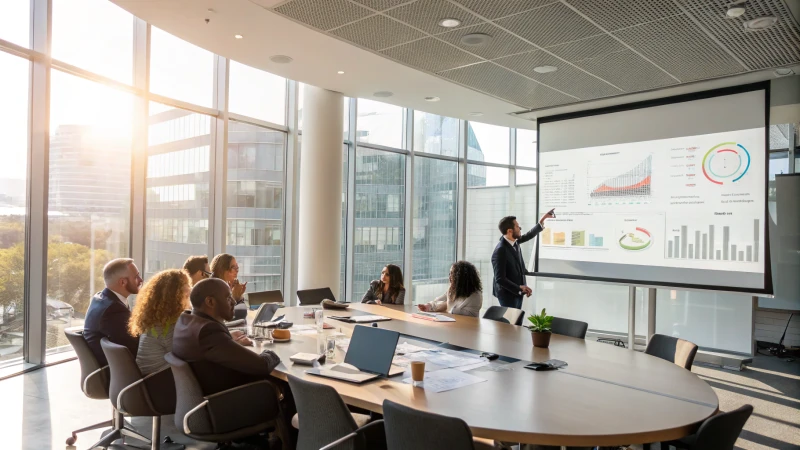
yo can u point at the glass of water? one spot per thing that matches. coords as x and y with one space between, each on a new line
330 345
319 318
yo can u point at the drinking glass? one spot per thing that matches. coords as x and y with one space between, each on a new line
319 318
330 344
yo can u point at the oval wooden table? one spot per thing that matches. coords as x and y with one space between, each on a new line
605 396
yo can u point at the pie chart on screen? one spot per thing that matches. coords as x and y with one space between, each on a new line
635 239
726 163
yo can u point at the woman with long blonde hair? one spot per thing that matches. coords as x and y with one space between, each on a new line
159 304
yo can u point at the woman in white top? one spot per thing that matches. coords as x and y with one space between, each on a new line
464 297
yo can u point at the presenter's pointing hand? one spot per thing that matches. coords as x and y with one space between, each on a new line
545 216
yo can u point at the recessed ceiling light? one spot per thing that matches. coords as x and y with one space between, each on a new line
783 71
383 94
341 72
238 36
281 59
432 99
545 69
449 22
735 11
475 39
760 23
476 114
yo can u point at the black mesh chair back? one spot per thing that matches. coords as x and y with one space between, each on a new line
672 349
721 431
94 379
410 429
322 416
189 395
132 393
569 327
504 314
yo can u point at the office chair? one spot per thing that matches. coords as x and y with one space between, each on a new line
716 433
236 413
672 349
94 384
136 395
326 418
504 314
410 429
569 327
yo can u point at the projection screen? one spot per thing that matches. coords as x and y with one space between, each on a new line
665 193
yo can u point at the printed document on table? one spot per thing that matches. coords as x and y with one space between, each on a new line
446 380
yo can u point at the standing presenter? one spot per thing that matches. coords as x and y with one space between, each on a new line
509 285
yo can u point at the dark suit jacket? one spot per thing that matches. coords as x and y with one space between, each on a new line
108 317
509 266
218 362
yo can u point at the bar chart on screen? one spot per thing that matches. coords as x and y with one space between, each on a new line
734 241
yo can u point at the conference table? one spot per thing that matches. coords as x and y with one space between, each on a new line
606 395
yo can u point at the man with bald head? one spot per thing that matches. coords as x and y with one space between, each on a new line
217 357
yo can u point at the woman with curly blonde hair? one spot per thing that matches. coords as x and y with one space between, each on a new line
159 304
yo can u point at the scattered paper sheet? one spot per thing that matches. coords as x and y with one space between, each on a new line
407 348
477 365
446 380
437 360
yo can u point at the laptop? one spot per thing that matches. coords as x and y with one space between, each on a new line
314 296
266 312
370 353
258 298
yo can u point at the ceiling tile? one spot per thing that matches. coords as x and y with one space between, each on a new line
323 14
627 70
380 5
550 25
567 78
377 33
431 55
499 82
776 46
680 48
615 14
587 48
494 9
501 44
426 14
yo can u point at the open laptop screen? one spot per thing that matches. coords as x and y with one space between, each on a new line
371 349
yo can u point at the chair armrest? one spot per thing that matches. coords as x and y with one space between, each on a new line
351 435
243 406
103 374
142 385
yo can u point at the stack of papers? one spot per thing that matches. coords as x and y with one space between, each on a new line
433 316
446 380
438 360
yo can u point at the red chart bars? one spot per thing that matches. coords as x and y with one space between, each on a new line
708 245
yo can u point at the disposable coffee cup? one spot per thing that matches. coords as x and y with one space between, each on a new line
417 372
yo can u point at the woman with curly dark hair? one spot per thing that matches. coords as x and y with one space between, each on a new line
464 297
160 301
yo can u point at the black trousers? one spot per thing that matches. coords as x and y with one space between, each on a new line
510 302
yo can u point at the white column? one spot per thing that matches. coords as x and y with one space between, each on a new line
320 205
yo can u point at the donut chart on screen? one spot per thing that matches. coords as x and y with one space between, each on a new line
636 239
727 162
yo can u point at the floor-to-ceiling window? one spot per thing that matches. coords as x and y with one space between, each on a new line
434 205
178 155
255 204
89 198
13 179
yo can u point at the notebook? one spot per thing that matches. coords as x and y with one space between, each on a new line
433 316
368 318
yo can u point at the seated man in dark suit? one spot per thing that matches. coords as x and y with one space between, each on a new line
218 359
108 312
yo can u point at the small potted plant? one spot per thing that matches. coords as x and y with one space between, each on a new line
540 329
